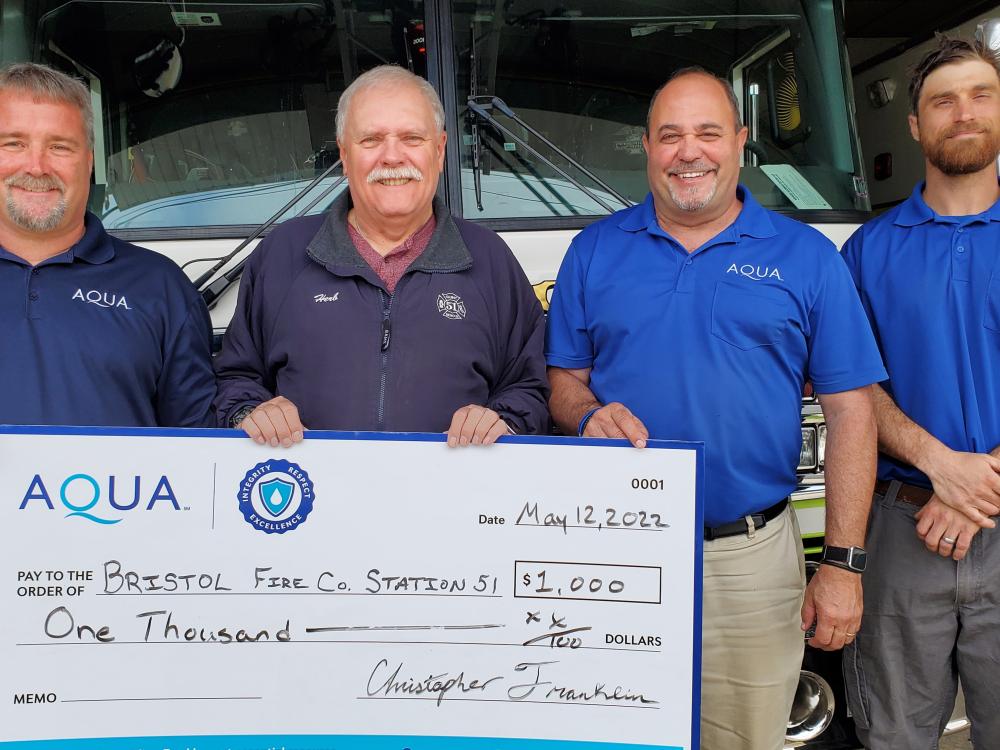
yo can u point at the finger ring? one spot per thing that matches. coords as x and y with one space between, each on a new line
850 635
947 540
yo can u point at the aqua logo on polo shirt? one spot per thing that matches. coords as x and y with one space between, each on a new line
276 496
755 272
99 499
101 298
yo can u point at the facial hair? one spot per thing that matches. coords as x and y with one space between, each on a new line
407 172
689 199
31 221
966 156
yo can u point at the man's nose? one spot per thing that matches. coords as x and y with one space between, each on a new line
36 161
392 150
964 110
689 148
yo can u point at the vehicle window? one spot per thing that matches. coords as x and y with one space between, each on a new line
579 77
212 114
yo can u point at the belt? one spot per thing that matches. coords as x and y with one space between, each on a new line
759 521
908 493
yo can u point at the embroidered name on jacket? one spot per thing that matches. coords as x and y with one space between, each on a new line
326 297
101 299
757 273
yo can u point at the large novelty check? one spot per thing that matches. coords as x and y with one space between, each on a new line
193 591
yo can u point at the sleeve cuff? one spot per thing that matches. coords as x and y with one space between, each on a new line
851 383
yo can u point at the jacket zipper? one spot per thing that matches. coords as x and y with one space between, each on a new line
386 340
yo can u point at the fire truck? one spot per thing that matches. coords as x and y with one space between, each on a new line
215 121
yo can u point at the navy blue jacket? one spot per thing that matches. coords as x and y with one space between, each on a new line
315 324
105 333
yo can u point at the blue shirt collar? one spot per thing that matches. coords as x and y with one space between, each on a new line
94 247
752 221
914 211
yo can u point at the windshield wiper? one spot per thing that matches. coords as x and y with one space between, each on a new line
477 142
483 112
501 105
211 292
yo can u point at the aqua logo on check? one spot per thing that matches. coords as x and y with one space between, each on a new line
276 496
96 500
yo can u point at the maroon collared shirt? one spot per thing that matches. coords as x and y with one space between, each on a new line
392 267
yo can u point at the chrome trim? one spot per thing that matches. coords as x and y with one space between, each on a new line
812 709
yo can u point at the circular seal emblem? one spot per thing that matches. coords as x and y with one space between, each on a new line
276 496
451 306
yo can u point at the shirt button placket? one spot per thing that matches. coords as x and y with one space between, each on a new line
685 279
33 295
960 256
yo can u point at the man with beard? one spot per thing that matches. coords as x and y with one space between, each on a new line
699 315
928 273
386 313
95 331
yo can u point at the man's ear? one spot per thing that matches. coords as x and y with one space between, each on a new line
914 127
343 161
441 149
741 137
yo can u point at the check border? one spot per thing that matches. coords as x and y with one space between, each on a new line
371 742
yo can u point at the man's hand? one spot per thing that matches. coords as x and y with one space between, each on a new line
938 523
834 601
275 422
969 483
476 425
616 421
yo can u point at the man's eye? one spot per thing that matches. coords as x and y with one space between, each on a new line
710 136
413 140
670 139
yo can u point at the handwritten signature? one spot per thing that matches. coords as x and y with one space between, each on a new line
391 681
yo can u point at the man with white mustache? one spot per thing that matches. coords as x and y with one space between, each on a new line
96 331
928 272
386 313
658 330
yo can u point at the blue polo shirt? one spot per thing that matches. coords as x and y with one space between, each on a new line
931 287
105 333
714 345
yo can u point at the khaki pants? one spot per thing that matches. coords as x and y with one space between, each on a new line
752 642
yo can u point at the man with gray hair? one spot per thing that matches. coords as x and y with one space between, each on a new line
386 313
96 331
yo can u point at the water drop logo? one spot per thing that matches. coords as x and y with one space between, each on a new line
276 496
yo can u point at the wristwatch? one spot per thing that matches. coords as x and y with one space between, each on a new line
242 413
853 559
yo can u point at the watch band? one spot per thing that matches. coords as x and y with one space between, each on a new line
841 565
240 414
853 559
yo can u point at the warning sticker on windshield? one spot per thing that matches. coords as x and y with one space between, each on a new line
795 187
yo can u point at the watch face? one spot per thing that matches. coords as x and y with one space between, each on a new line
859 559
